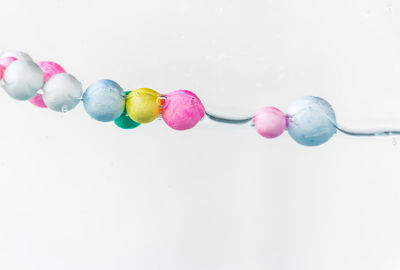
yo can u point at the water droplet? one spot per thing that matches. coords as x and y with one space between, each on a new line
394 141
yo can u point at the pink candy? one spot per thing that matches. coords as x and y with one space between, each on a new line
270 122
49 70
182 110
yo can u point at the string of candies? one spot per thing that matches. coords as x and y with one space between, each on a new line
310 121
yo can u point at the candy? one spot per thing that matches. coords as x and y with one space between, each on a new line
182 110
143 105
124 121
22 79
312 121
104 100
49 69
62 92
270 122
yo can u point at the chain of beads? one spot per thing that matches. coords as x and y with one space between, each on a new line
309 120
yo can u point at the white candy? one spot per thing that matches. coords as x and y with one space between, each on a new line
62 92
17 54
22 79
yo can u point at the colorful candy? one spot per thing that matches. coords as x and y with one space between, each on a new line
62 92
49 69
312 121
270 122
104 100
22 79
143 105
182 110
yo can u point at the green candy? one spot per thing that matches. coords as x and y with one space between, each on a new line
124 121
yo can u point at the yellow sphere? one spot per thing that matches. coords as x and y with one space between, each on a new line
143 105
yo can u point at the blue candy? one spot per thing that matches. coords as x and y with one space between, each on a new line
104 100
312 121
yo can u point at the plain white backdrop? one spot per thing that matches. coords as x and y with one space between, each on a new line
79 194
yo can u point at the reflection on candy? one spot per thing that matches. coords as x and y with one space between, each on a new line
22 79
49 69
270 122
143 105
312 121
16 54
182 109
104 100
62 92
6 61
124 121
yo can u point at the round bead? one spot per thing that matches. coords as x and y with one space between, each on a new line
16 54
143 105
22 79
5 61
270 122
124 121
62 92
104 100
182 110
49 69
312 121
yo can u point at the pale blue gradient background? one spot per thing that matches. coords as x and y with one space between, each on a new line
79 194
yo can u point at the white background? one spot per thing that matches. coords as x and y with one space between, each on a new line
79 194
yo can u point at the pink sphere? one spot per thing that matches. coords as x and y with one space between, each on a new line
5 61
182 110
49 70
270 122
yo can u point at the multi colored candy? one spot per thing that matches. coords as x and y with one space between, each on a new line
310 121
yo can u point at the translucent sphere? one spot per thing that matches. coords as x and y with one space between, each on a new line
143 105
182 110
104 100
16 54
62 92
22 79
312 121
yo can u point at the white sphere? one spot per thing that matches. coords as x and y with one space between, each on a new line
22 79
17 54
62 92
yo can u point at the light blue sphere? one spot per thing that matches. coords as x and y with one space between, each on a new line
104 100
312 121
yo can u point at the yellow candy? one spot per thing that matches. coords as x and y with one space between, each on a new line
143 105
